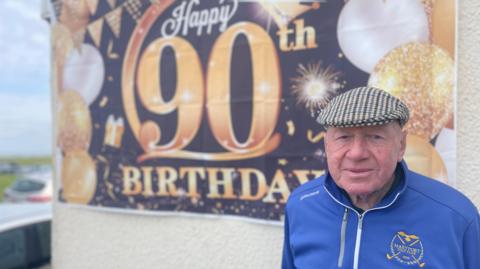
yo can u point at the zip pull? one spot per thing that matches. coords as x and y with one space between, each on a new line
360 221
342 238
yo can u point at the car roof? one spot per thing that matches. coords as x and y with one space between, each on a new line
16 215
36 176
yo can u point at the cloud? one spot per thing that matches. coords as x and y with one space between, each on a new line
25 107
26 124
28 9
24 43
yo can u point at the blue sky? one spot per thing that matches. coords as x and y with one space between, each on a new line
25 105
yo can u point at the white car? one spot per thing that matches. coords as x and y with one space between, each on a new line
25 235
32 187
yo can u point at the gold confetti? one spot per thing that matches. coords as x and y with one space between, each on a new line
314 138
291 128
104 101
106 172
110 52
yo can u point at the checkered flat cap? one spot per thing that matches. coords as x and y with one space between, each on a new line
363 106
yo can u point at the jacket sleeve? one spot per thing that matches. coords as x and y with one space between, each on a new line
471 245
287 258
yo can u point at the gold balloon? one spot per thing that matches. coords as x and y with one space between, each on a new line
74 123
57 79
62 42
423 158
422 76
79 178
443 22
74 14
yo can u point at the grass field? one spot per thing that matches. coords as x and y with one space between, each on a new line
7 179
27 160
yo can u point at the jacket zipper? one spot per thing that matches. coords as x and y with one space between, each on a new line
358 240
359 228
342 238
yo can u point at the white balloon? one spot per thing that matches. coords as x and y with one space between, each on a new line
84 72
445 144
369 29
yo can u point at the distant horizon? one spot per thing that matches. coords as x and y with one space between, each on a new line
23 160
7 157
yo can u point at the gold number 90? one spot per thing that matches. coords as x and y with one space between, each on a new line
191 90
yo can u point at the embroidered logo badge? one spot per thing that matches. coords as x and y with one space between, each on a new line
407 249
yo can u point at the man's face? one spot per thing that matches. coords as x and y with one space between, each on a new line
362 160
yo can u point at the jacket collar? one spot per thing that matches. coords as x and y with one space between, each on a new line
398 187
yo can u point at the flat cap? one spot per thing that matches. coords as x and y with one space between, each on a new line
363 106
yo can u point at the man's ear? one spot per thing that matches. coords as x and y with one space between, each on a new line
326 139
403 144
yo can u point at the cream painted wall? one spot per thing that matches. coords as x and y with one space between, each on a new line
90 239
468 100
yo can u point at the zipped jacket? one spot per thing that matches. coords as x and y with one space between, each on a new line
420 223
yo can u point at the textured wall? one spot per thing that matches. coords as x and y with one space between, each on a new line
89 239
468 100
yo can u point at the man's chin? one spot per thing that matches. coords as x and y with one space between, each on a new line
359 192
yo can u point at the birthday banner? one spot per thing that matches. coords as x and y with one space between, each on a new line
208 107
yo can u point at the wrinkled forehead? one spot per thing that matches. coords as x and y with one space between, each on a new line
393 126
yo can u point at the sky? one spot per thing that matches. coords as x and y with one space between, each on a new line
25 105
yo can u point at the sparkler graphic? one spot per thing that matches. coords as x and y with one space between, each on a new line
315 86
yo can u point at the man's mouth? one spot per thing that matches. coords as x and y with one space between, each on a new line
359 171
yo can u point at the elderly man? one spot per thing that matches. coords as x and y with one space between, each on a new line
369 211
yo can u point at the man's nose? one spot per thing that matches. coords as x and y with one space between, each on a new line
358 149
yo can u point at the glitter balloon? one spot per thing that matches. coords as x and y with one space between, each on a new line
74 122
62 43
79 179
422 76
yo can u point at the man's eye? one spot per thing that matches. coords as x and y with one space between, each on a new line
377 137
342 137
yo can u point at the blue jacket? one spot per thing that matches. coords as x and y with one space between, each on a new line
420 223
